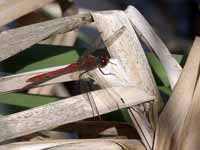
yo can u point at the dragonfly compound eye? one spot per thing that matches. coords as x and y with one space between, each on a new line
104 60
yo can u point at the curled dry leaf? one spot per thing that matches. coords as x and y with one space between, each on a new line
175 120
97 144
152 40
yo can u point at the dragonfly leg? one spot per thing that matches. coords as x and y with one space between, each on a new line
122 100
82 73
112 63
105 73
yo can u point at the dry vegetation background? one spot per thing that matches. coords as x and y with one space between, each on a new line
148 102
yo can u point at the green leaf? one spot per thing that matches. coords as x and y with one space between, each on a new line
158 68
85 38
178 57
40 56
165 90
26 100
61 59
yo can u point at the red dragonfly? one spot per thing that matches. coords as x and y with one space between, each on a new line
85 62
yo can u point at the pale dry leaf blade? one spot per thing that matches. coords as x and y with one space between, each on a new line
16 40
189 135
149 36
139 118
66 111
172 118
13 9
95 145
41 145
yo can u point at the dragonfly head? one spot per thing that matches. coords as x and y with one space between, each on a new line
103 60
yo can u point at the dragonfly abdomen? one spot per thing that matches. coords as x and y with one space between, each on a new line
68 69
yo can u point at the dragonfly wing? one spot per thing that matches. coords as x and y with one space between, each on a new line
108 42
114 97
86 87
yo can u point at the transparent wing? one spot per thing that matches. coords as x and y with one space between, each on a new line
86 87
98 42
114 97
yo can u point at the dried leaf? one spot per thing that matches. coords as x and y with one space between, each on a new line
172 119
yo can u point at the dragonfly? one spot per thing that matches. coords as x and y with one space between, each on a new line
85 63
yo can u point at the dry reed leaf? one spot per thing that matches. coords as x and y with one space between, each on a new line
13 9
141 123
16 40
52 9
190 133
68 110
148 35
108 145
65 8
134 63
97 144
173 118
